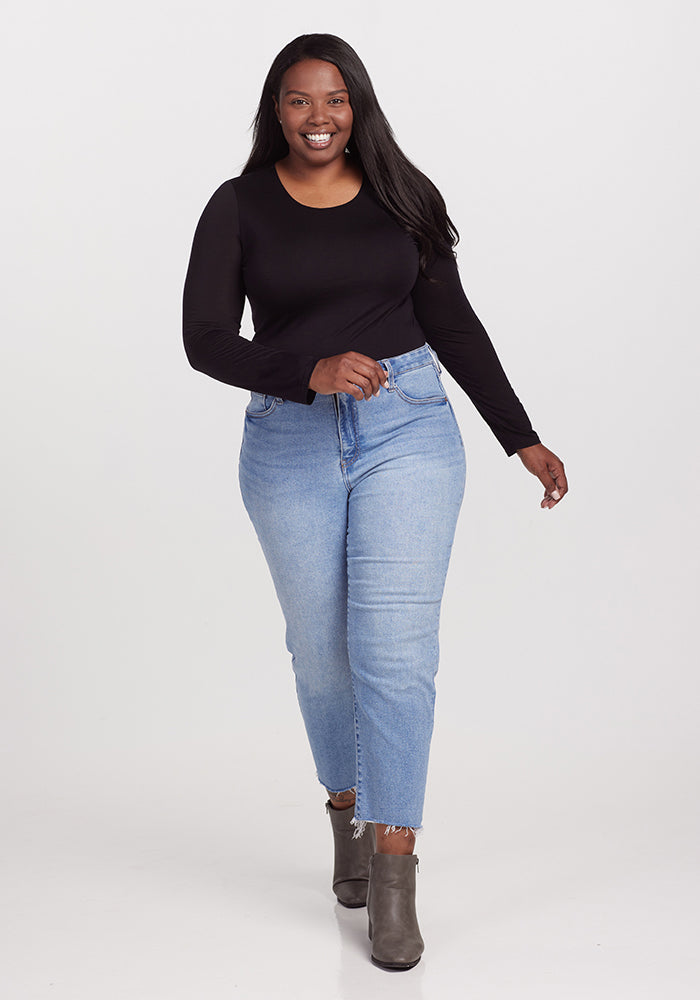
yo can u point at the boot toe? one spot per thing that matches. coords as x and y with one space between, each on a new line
397 953
352 892
395 966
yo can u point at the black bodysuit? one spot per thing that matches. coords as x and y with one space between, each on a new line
322 281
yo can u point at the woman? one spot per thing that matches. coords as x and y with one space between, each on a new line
352 465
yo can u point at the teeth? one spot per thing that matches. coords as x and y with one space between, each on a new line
318 136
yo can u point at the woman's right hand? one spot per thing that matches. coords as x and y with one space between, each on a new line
350 372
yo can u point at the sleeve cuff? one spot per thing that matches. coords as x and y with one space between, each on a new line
512 446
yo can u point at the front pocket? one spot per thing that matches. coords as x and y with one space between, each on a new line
260 405
420 385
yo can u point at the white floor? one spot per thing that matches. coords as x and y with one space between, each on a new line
171 889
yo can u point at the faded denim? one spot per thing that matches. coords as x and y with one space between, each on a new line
355 505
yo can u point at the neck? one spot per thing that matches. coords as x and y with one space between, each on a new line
324 175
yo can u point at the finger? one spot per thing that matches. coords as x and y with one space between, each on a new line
550 486
367 378
354 390
371 368
372 371
351 371
560 479
381 376
551 499
353 376
561 486
363 382
374 380
552 495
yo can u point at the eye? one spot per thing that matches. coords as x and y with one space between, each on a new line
339 100
298 100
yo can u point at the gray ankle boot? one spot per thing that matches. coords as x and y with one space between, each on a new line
351 867
391 905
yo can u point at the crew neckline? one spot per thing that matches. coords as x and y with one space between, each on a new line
318 208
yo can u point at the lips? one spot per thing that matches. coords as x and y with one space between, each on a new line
318 139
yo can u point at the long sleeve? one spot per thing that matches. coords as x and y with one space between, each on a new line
463 346
213 300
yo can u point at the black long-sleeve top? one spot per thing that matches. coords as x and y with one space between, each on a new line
322 281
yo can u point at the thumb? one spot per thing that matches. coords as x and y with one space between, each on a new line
550 486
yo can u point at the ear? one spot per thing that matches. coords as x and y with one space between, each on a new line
277 107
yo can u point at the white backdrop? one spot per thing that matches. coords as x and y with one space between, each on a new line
152 742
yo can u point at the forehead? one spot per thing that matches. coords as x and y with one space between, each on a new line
312 76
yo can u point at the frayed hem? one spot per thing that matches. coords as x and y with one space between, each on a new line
361 824
415 830
360 827
337 791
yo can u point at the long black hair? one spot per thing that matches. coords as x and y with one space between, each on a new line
401 188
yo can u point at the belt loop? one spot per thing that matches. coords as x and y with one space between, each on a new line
385 363
436 360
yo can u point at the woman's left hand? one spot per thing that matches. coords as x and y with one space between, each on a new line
549 469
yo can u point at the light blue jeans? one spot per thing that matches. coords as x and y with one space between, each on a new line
355 505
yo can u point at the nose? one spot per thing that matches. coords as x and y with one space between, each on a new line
318 115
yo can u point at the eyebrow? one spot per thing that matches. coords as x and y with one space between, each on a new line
304 94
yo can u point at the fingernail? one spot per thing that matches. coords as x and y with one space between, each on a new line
555 494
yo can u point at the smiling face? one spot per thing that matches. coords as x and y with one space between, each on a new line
314 108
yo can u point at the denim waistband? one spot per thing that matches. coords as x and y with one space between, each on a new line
423 355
